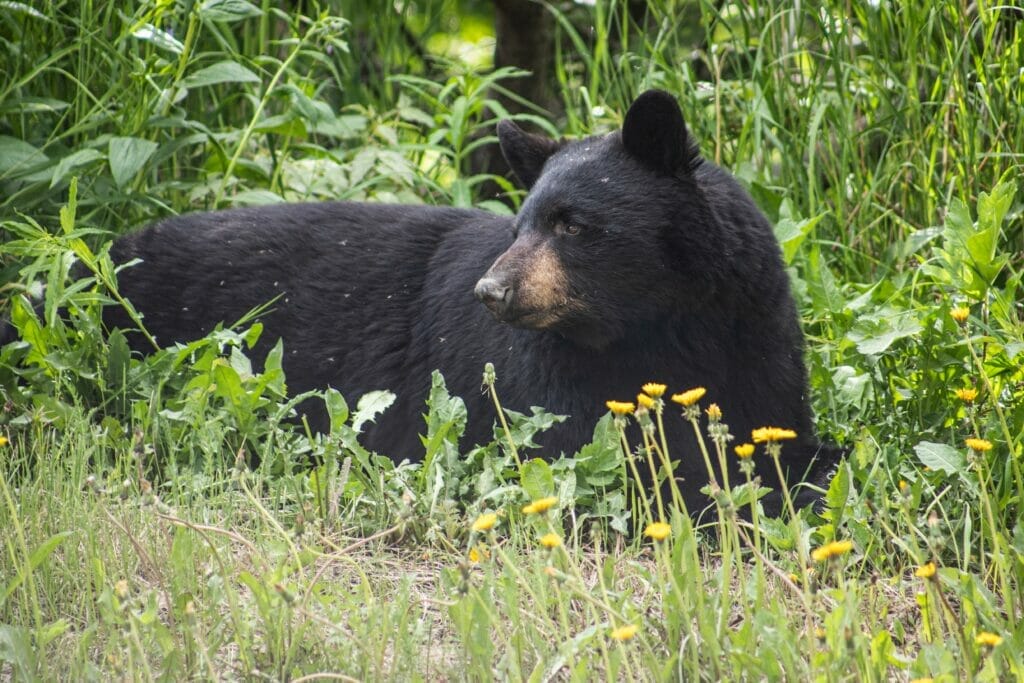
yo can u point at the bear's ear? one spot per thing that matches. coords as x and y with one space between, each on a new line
655 134
525 152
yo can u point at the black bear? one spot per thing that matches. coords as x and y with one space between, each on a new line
631 260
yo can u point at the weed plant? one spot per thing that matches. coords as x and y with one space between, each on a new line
166 517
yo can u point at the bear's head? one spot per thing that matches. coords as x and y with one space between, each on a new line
615 230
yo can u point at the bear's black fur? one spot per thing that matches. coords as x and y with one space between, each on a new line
632 260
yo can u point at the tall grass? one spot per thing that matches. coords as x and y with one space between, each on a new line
163 519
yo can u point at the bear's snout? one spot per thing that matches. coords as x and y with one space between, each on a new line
494 294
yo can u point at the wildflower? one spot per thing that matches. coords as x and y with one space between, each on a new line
485 522
771 434
659 531
624 632
654 390
831 550
540 505
960 314
903 485
967 395
645 401
551 540
620 407
3 441
744 450
979 445
922 680
714 412
121 589
925 571
986 639
794 578
820 633
474 555
690 396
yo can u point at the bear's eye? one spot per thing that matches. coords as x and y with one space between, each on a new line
573 229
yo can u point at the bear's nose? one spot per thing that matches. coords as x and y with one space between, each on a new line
494 294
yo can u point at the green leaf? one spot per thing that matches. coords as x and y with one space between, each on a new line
791 231
873 335
837 495
226 71
17 155
940 456
228 10
537 479
35 559
370 405
82 157
992 207
127 156
162 39
16 649
337 408
118 361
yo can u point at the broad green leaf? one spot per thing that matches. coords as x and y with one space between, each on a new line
370 405
162 39
82 157
837 495
537 479
37 557
874 336
791 231
942 457
992 206
228 10
127 156
118 361
17 155
226 71
337 408
17 649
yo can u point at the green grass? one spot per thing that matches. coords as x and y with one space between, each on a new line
160 516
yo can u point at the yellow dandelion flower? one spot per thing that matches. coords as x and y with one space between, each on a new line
121 589
3 441
967 395
794 578
540 505
551 540
474 555
831 550
960 314
485 522
620 407
820 633
659 531
770 434
645 401
922 680
744 450
979 445
986 639
624 632
690 396
903 485
925 571
654 390
714 412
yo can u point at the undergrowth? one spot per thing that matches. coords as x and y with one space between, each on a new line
169 516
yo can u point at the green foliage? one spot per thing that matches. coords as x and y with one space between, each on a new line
170 516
